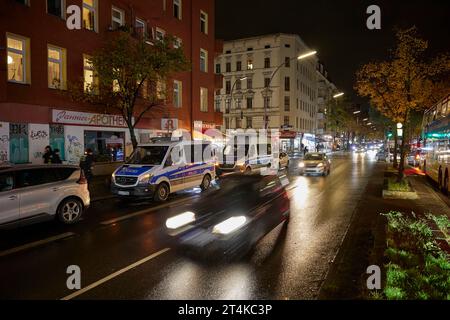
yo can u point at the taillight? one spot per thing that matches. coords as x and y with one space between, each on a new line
82 179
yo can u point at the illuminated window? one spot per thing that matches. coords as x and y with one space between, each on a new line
161 89
90 14
118 18
203 22
249 64
203 99
203 60
177 93
56 67
177 42
159 34
88 74
17 58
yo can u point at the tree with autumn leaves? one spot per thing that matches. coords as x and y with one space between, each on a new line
405 83
129 76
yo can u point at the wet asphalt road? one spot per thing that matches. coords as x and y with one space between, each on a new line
124 253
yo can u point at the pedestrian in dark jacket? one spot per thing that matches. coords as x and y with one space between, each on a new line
86 163
48 155
56 156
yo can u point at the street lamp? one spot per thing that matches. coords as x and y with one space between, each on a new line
337 95
267 87
356 112
232 88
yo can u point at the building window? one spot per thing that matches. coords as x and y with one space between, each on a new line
249 64
228 67
227 51
266 62
140 27
118 18
177 9
286 121
88 74
227 87
266 82
287 62
287 104
24 2
238 85
227 105
238 65
287 84
227 123
107 146
287 45
177 93
90 14
249 83
56 8
249 103
159 34
203 99
56 67
217 105
218 68
249 122
17 59
203 60
267 46
266 102
161 89
203 22
18 143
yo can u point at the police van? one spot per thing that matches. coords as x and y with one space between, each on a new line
243 153
162 167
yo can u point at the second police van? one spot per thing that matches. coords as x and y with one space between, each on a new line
157 169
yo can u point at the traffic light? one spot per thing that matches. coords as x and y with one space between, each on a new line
389 132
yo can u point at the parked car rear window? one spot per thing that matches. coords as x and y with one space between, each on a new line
34 177
64 173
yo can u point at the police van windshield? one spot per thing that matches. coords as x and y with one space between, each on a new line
150 155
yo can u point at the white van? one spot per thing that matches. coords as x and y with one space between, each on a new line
157 169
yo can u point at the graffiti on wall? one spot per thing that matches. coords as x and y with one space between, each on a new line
74 149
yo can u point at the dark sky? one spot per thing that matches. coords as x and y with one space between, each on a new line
336 28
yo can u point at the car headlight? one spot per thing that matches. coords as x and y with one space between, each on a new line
301 164
320 165
145 178
180 220
229 225
113 177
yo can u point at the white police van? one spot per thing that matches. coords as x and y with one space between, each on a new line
164 166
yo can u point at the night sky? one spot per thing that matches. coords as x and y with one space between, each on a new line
336 28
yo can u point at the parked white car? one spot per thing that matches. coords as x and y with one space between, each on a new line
32 193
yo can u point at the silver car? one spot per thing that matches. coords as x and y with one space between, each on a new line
315 163
32 193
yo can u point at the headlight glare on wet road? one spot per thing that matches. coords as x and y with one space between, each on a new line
180 220
229 225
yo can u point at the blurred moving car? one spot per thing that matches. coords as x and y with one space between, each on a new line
315 163
230 220
32 193
382 156
415 158
360 149
284 160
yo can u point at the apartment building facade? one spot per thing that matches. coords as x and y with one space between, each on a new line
325 91
35 113
248 94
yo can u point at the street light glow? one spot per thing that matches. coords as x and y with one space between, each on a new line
369 123
356 112
337 95
10 60
243 78
303 56
365 119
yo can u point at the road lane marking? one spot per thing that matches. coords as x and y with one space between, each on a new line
36 243
137 213
114 275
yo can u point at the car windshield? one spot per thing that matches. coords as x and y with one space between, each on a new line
236 149
152 155
313 156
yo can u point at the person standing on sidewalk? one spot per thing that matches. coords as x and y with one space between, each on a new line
86 163
56 157
48 155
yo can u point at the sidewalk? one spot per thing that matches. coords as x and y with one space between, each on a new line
99 188
365 242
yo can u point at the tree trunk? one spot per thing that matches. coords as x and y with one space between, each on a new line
401 167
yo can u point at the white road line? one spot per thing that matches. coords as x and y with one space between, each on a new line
113 275
36 243
137 213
